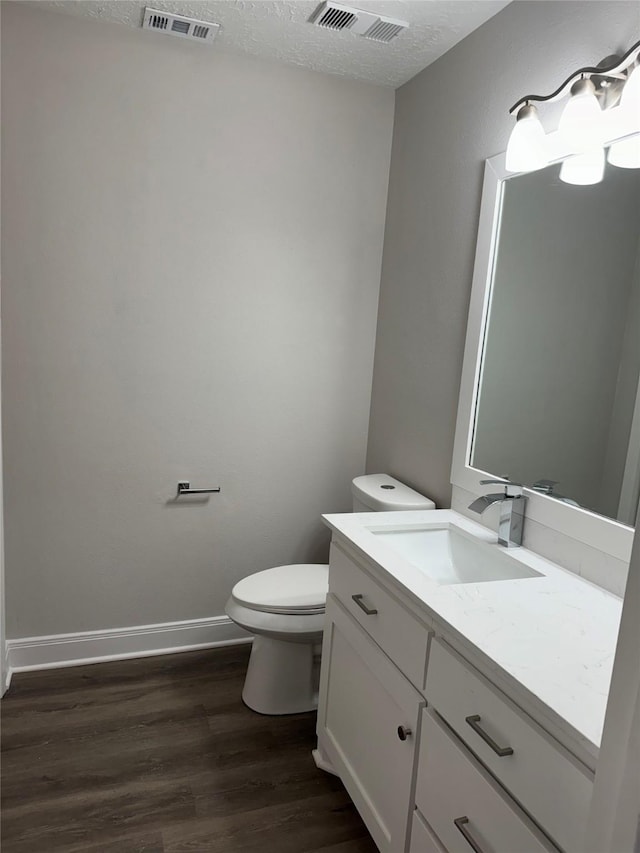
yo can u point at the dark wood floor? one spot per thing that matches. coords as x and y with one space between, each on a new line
160 755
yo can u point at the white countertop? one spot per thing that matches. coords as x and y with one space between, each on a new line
552 638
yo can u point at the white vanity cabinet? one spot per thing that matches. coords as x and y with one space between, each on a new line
369 713
462 804
403 637
536 770
435 757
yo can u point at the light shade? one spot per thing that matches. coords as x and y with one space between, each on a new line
626 153
630 99
583 169
527 148
581 119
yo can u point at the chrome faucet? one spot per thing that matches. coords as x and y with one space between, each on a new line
545 487
512 503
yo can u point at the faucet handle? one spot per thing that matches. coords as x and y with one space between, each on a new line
511 490
545 486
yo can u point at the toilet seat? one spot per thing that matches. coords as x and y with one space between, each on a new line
298 589
296 628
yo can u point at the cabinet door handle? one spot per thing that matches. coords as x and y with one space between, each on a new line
474 722
370 611
403 732
461 826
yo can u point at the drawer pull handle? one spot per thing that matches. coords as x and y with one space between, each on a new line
403 732
474 722
461 826
370 611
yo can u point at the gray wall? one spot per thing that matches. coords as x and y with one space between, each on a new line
191 251
449 119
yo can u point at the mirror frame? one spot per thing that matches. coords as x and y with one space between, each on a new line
604 534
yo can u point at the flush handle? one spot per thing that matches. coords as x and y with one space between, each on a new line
370 611
461 826
474 722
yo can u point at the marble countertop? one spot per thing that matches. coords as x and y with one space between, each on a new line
551 639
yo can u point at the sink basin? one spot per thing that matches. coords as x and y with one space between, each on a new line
449 556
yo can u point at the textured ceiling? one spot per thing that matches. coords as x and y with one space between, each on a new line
279 29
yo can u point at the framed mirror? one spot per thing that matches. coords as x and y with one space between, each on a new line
550 392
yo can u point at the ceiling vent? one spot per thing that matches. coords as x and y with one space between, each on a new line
178 25
336 16
385 29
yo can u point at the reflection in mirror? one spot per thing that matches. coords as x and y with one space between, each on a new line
559 402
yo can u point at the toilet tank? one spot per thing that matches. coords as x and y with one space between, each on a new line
381 493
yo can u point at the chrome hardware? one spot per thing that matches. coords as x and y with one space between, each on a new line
511 490
545 487
404 732
512 503
461 826
370 611
184 488
474 722
611 70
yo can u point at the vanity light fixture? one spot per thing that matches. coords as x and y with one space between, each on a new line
580 124
527 150
630 98
580 119
583 169
593 91
626 153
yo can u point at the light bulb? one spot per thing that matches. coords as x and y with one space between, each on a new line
626 153
583 169
630 99
527 148
581 119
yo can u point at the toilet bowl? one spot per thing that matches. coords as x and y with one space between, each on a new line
283 607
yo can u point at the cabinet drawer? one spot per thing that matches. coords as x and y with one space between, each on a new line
463 804
422 838
403 637
547 780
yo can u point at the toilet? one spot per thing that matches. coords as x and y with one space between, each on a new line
284 608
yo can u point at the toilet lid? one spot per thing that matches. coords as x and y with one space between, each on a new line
300 588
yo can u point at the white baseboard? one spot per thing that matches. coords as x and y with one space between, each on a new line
6 672
322 762
60 650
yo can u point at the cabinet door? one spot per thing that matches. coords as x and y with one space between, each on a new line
363 701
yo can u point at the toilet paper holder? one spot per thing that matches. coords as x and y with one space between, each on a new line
184 488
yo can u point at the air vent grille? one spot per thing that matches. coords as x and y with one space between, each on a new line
384 30
178 25
333 16
158 22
